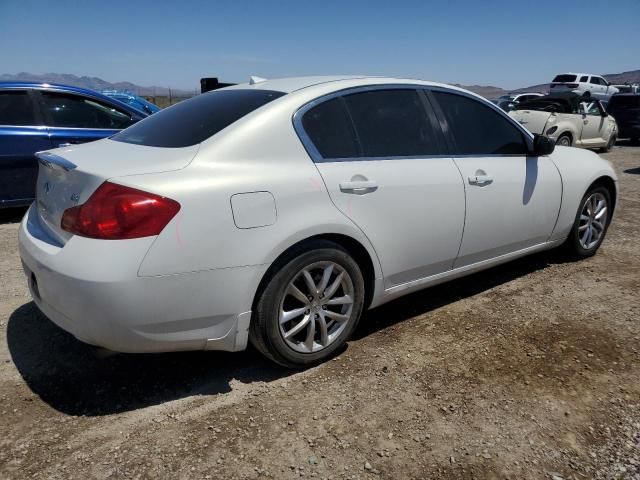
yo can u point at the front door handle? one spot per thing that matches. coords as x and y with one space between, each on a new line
480 179
359 187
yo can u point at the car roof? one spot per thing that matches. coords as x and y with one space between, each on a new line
293 84
69 89
582 74
41 85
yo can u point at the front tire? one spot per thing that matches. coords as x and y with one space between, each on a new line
309 307
591 223
564 141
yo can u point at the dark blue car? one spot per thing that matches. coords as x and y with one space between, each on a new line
36 116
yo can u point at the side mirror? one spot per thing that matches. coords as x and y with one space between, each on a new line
542 145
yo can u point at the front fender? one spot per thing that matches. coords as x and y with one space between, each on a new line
579 169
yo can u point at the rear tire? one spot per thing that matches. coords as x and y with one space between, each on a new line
591 223
301 320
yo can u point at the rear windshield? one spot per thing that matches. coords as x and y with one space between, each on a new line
565 78
193 121
624 101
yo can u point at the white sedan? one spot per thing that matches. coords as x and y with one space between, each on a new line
277 211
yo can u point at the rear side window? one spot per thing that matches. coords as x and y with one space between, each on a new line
392 123
478 129
329 128
75 111
584 78
16 108
624 101
193 121
564 78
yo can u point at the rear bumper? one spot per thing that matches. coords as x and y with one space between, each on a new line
91 289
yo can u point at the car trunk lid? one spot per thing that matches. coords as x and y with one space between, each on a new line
67 177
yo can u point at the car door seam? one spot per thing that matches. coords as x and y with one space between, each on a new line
555 225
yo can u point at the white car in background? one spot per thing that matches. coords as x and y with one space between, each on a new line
570 120
584 84
278 211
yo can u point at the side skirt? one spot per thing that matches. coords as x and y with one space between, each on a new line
401 290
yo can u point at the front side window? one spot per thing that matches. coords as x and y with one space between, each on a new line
589 108
193 121
16 108
477 129
392 123
75 111
595 81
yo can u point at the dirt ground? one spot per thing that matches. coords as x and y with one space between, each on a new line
526 371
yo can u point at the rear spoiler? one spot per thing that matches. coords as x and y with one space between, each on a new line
51 160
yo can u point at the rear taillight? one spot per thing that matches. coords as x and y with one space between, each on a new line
116 212
572 85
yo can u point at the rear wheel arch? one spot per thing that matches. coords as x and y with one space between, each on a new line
352 246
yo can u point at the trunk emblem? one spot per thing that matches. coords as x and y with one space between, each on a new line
75 197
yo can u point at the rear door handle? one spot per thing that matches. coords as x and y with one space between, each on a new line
359 187
480 179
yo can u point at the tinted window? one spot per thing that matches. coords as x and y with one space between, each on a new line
624 101
478 129
16 108
330 130
584 79
595 80
76 111
193 121
565 78
392 123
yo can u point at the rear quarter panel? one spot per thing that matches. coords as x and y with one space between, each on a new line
260 153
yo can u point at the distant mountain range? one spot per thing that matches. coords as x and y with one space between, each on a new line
96 83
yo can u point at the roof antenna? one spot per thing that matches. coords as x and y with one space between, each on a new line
253 80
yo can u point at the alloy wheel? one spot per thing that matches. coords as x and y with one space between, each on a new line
316 307
593 221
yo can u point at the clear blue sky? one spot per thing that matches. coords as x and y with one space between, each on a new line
174 43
